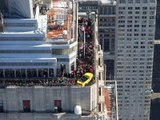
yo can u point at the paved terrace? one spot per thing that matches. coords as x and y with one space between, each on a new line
60 20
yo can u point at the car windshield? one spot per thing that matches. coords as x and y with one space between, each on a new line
83 78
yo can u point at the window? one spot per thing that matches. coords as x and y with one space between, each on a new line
26 105
152 1
144 12
129 12
151 17
1 106
1 73
137 1
137 8
136 17
144 8
106 45
121 8
144 1
99 77
99 107
130 8
122 1
130 1
100 91
152 8
57 106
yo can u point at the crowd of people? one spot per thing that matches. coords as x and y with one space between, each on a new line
85 59
38 82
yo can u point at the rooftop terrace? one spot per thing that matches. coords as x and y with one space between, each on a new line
60 20
85 63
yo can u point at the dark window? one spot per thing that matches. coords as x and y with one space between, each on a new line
1 106
99 107
18 73
40 72
106 45
23 73
109 69
99 76
57 105
72 66
51 72
99 61
26 105
100 92
1 73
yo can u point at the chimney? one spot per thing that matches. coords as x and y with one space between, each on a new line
1 22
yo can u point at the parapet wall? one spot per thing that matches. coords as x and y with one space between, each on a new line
42 99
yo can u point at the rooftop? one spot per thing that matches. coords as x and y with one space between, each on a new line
60 20
85 61
110 95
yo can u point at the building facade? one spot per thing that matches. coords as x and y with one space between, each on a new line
107 23
25 41
135 30
38 59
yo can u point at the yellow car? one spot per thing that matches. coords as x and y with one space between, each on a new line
85 79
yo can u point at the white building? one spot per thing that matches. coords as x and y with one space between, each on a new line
135 30
25 47
32 53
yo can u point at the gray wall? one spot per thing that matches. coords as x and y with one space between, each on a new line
43 116
42 98
20 8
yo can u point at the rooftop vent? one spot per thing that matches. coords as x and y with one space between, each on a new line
78 110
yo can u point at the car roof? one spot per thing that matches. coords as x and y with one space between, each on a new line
88 74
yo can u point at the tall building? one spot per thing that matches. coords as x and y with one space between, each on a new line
155 102
157 34
43 53
156 75
135 30
107 25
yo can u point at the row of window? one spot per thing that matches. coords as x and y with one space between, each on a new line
136 30
109 35
24 51
107 24
137 8
63 51
27 64
27 73
20 38
136 17
108 30
109 19
137 79
107 10
136 1
136 38
136 21
136 26
137 12
21 24
27 106
85 8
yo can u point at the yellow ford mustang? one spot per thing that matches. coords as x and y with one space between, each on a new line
85 79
